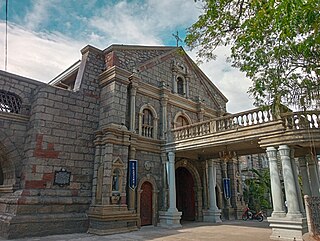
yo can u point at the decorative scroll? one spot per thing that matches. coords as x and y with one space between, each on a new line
9 102
313 215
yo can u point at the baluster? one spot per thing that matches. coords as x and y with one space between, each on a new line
312 122
230 123
317 118
245 120
260 117
250 117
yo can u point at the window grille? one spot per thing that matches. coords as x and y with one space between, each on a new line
9 102
147 123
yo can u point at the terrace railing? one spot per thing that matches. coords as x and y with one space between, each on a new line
224 123
291 120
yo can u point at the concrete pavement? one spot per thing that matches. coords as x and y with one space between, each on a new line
192 231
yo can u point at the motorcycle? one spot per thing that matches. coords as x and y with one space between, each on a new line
252 215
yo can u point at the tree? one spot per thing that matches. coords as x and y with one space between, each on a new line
275 42
257 191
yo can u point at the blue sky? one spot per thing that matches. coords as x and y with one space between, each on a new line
45 36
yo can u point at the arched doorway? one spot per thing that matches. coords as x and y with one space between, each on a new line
146 204
185 194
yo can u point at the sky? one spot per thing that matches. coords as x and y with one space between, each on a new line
45 36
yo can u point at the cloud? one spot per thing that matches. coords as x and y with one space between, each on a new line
229 80
38 56
137 22
38 15
43 50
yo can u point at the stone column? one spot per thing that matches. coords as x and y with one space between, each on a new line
305 176
164 120
296 180
313 172
187 86
171 218
289 183
164 181
277 200
133 93
213 214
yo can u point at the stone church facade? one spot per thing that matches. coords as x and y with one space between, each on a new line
87 152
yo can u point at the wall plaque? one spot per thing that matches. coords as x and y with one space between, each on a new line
62 177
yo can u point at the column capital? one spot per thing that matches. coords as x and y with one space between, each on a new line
271 152
171 156
302 161
284 150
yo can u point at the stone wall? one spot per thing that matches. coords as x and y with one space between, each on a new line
57 134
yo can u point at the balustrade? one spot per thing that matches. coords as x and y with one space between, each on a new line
224 123
302 120
292 120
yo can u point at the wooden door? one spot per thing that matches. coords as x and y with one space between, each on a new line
146 204
185 194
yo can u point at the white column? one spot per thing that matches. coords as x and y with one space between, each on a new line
171 217
276 192
313 172
172 183
289 183
212 185
213 214
296 181
305 176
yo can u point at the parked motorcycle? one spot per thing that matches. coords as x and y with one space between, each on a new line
252 215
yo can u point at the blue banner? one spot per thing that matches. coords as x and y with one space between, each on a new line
133 174
227 188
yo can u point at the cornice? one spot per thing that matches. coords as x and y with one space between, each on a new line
114 73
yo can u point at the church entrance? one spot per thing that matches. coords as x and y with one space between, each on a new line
146 204
185 194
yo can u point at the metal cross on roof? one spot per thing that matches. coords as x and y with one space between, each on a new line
177 38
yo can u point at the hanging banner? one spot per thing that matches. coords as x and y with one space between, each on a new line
227 188
133 174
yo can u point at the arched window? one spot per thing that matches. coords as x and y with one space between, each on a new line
147 123
9 102
181 121
180 86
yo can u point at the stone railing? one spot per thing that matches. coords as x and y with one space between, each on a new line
302 120
228 122
313 215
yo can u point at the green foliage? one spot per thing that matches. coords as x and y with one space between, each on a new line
258 189
275 42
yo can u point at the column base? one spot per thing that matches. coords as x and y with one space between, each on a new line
228 213
212 216
276 215
288 228
111 219
170 219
